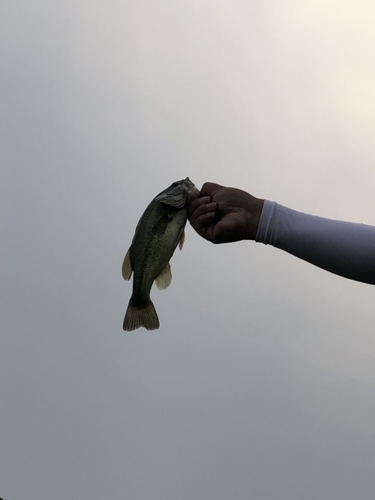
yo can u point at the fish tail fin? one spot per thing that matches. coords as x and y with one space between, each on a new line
140 315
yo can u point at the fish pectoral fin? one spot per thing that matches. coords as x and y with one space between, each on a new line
164 279
127 269
182 239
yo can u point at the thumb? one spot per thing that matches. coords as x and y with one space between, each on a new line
210 188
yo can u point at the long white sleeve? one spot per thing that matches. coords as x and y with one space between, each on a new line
343 248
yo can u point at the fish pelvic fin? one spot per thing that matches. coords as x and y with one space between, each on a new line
182 240
127 269
164 279
137 316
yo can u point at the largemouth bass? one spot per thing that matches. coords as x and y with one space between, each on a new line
159 231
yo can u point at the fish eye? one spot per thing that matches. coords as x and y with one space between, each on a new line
175 184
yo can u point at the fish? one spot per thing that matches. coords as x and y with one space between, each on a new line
160 229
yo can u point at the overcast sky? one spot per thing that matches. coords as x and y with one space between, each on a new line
260 382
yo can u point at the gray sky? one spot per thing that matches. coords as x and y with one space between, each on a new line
260 382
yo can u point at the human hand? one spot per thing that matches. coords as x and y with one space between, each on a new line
222 214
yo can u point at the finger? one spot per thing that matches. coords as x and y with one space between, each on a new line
202 209
195 204
210 188
202 222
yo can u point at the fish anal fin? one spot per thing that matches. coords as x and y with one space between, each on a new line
127 269
182 240
164 279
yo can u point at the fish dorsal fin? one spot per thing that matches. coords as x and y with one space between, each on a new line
182 240
127 269
164 279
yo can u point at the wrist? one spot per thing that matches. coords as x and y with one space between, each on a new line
254 213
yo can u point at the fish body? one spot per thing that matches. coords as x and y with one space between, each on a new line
159 231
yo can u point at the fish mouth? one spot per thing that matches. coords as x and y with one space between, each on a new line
191 188
190 193
177 194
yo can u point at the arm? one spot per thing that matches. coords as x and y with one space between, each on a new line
343 248
224 215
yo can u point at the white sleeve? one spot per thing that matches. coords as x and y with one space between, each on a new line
343 248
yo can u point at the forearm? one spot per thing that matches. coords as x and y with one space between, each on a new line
343 248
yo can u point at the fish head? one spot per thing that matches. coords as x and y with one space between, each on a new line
175 195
